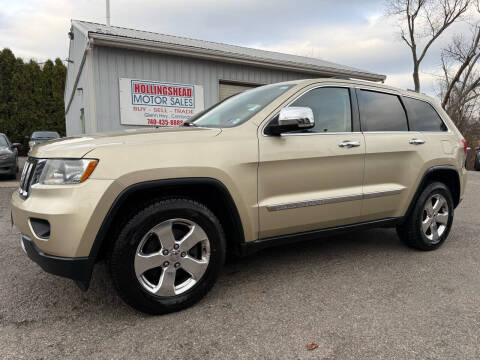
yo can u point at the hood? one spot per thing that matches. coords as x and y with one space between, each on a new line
79 146
5 150
41 140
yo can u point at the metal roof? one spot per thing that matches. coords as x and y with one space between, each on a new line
150 41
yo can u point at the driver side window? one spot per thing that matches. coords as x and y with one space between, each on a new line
331 109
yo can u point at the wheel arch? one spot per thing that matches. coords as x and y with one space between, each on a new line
211 192
446 174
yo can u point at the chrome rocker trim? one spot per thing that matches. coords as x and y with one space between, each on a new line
332 200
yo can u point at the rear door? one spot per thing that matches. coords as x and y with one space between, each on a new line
310 179
396 156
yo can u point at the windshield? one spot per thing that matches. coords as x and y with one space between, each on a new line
3 141
239 108
45 135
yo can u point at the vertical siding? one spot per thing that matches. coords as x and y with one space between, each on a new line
110 64
75 54
72 118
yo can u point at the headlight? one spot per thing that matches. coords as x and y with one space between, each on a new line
6 155
63 171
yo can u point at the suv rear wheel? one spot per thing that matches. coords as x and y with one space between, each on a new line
430 221
168 256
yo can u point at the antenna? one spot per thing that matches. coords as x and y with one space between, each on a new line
108 12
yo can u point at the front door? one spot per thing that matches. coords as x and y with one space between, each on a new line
312 179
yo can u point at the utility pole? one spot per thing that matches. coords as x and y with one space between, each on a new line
108 12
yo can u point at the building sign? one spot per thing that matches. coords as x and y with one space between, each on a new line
145 102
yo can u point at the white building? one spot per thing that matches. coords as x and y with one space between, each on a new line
118 77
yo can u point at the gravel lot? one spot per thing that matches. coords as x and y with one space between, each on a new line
358 296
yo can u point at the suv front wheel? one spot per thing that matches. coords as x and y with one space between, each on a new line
430 221
168 256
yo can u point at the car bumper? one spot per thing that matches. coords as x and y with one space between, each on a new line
78 269
8 166
74 214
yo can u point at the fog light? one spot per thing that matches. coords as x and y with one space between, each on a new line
40 227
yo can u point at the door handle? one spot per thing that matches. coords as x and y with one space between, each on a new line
349 144
416 141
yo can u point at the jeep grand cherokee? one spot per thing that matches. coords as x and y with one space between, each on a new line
272 165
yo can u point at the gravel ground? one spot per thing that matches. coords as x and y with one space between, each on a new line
358 296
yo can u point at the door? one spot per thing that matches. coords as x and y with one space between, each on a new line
312 179
226 90
397 154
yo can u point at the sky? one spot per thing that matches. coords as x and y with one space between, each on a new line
349 32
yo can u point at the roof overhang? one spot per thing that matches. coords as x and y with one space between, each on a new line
100 39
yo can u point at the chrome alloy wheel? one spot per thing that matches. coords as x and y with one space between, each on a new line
435 218
172 257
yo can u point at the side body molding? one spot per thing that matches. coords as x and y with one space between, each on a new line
259 244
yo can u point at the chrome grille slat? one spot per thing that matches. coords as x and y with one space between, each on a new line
27 175
24 174
24 171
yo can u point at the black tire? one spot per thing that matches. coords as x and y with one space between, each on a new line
14 173
411 233
124 249
477 161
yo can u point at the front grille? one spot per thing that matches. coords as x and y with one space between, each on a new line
26 179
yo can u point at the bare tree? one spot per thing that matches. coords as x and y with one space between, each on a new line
422 22
466 54
460 85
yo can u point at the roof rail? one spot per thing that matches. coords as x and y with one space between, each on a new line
340 77
417 92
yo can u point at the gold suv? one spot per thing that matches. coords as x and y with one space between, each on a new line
272 165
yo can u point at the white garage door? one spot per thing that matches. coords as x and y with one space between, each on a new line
227 90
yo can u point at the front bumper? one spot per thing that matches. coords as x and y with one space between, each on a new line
74 213
8 166
79 269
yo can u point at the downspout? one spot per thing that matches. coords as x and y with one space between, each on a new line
92 105
91 88
77 78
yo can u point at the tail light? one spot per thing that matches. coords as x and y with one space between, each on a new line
465 150
465 147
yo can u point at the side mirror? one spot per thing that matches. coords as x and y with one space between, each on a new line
292 119
16 145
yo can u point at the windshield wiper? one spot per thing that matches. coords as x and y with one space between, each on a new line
188 123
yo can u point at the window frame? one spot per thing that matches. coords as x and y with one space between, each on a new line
363 124
356 127
433 107
9 144
290 84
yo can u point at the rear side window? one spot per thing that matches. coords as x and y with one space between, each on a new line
422 116
331 109
381 112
